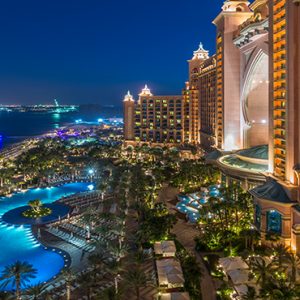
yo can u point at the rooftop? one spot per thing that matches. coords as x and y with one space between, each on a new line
257 152
235 162
271 190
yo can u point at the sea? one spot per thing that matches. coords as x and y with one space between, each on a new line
17 126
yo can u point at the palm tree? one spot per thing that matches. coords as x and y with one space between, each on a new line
118 251
6 296
294 262
97 259
86 284
281 254
69 277
115 268
261 270
35 205
17 274
279 290
36 291
140 257
110 294
136 279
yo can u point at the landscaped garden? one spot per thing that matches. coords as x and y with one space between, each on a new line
37 210
127 224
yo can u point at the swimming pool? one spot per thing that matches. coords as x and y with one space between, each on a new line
18 243
191 204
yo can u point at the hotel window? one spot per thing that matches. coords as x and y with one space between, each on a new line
274 224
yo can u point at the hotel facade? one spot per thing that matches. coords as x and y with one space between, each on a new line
244 102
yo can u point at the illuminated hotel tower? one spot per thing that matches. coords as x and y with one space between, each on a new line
257 105
285 89
191 96
129 114
228 132
153 119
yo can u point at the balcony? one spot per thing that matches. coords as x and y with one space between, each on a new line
281 157
279 137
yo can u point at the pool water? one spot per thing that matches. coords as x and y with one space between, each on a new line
18 243
191 204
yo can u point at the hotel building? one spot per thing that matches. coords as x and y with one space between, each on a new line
258 100
153 119
245 102
176 119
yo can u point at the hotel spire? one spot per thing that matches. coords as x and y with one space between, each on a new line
145 91
201 53
128 97
236 6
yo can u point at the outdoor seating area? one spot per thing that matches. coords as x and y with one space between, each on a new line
80 243
58 290
82 200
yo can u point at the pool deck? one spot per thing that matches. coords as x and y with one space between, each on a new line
79 260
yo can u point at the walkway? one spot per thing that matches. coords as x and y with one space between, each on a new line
185 234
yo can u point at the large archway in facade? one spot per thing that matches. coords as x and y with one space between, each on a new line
255 100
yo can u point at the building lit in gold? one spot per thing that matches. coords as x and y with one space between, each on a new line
245 102
156 119
171 119
258 102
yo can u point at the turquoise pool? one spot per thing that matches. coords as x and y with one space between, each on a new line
18 243
191 204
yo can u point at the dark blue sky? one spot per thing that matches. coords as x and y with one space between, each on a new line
93 51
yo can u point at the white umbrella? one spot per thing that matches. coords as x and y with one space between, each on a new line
232 263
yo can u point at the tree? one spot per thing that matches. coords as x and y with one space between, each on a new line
136 279
6 296
281 253
86 282
35 205
110 294
69 277
35 291
17 274
294 262
263 271
279 290
97 259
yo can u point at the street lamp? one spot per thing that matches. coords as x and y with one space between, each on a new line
91 173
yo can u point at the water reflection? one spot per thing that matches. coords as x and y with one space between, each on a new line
56 120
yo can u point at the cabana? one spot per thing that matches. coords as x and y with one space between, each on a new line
165 248
169 273
233 263
239 276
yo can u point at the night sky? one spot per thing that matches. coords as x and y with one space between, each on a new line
93 51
